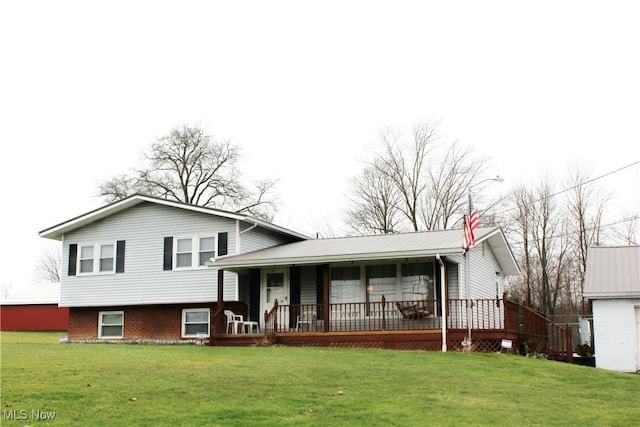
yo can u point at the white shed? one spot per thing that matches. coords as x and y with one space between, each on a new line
613 285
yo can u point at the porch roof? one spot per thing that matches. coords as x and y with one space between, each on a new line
371 248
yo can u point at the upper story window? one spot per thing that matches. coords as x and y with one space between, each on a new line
207 250
184 255
194 251
89 263
97 258
184 252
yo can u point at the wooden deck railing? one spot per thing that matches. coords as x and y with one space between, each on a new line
386 316
531 327
539 333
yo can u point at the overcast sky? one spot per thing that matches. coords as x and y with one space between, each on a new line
304 87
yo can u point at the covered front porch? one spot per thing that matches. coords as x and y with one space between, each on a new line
406 291
480 325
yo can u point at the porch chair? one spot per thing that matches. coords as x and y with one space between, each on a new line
413 310
306 318
234 320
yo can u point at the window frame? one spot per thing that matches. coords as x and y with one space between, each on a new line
96 258
195 251
184 321
101 315
177 253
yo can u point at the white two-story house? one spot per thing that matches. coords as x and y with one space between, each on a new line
135 269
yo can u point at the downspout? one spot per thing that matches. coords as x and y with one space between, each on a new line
443 302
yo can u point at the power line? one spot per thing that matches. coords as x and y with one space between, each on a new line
611 224
589 181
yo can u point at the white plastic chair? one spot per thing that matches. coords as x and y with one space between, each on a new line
307 318
234 320
249 325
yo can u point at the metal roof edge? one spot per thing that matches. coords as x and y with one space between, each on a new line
328 259
612 295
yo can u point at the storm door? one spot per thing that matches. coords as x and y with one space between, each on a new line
275 286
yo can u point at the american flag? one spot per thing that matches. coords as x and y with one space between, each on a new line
471 222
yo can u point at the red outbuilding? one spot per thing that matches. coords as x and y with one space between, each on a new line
35 309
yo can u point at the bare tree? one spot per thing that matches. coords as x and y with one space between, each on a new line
411 186
625 230
522 199
189 166
450 181
551 232
405 166
586 206
5 290
542 242
375 200
48 269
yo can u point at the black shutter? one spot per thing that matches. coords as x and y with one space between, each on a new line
223 239
168 253
73 259
120 256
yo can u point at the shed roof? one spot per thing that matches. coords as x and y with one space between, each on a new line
612 272
371 248
35 294
57 231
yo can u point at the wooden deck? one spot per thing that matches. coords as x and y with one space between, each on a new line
383 325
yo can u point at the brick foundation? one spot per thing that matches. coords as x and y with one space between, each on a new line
146 322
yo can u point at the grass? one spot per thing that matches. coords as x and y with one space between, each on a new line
110 384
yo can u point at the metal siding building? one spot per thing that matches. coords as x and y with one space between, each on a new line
612 283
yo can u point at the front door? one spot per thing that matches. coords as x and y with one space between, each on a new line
275 286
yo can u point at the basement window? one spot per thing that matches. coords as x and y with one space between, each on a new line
110 324
195 321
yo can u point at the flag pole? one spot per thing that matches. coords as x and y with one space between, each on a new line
467 272
471 222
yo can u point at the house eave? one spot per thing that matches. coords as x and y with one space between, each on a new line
57 231
328 259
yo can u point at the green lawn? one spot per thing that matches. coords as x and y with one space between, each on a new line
112 384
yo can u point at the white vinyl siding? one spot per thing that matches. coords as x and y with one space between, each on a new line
483 281
257 238
144 228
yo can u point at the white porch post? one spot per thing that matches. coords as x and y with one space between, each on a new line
443 304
